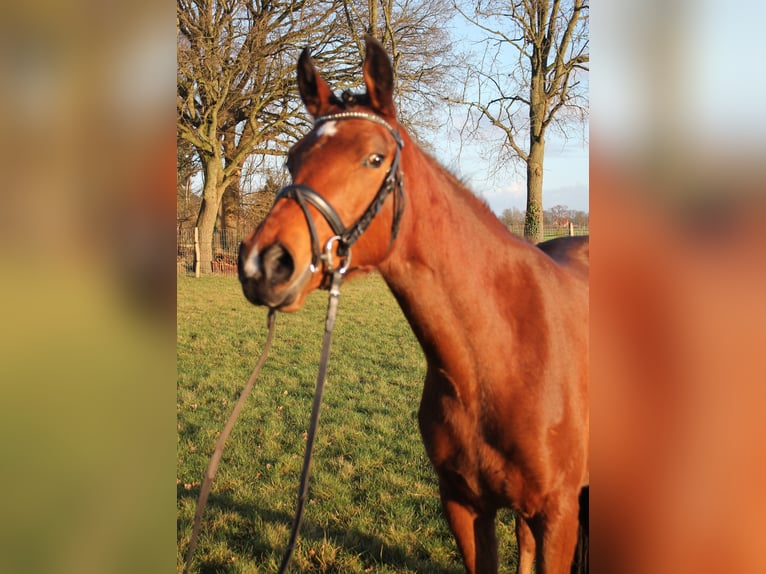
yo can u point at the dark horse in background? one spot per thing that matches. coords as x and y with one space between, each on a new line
503 324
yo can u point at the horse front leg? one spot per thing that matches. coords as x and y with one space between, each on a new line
475 535
525 541
558 527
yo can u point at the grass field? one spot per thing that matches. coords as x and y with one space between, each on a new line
373 503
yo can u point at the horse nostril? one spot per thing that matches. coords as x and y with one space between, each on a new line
277 264
248 264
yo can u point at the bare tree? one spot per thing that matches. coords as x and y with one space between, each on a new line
256 203
187 166
560 215
235 86
415 34
512 217
580 218
527 80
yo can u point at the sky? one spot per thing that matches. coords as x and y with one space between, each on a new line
565 173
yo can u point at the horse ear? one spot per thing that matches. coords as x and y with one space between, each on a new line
379 77
314 91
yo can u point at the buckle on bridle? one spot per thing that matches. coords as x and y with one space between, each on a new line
327 258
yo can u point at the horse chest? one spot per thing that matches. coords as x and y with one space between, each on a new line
454 427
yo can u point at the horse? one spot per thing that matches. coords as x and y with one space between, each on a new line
503 323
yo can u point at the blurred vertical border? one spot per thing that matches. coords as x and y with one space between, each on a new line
87 289
678 292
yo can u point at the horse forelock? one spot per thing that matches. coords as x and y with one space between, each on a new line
349 99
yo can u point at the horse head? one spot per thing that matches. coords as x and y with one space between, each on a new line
346 190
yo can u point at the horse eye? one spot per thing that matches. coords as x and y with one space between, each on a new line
374 160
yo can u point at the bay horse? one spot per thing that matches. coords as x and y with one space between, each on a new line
503 323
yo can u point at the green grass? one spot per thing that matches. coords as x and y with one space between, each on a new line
373 502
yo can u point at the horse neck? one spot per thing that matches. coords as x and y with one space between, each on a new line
450 261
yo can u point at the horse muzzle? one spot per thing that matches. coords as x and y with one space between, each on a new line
268 277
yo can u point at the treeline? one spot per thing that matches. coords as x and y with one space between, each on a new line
556 216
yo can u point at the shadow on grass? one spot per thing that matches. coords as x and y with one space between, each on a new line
373 551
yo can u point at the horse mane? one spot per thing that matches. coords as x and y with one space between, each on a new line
478 203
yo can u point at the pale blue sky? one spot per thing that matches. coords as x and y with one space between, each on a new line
565 173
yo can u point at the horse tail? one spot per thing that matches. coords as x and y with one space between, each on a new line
580 562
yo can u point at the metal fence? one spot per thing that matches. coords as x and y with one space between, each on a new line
226 246
225 250
553 231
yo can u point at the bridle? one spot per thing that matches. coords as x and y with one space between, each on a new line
345 237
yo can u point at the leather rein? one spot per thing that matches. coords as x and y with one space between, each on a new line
345 237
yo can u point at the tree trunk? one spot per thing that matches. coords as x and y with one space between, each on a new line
208 214
230 199
373 7
206 225
533 224
230 210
